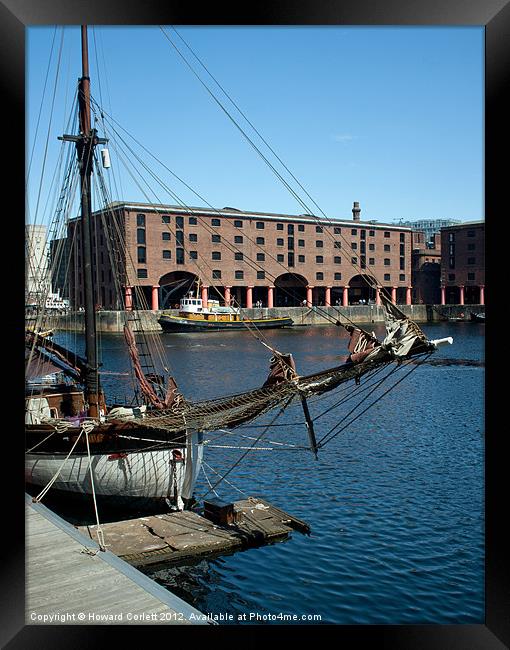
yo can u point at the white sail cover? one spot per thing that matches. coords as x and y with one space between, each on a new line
401 333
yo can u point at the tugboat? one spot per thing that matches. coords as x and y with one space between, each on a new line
196 317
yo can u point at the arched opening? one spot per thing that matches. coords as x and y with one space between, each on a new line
360 290
428 280
401 295
290 290
452 295
174 286
472 295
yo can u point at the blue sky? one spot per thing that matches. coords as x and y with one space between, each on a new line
389 117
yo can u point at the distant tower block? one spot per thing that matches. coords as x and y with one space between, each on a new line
356 211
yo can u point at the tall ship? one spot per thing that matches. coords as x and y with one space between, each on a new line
81 440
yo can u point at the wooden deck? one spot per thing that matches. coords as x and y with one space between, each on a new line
70 581
183 536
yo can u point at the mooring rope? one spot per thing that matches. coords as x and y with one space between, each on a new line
100 534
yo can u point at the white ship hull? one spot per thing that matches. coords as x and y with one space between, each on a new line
120 478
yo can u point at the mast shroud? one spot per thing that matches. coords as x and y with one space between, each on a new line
85 143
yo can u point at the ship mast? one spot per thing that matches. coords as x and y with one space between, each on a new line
86 142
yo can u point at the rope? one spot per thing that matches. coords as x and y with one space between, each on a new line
44 491
325 439
223 479
208 481
247 451
359 267
250 261
100 535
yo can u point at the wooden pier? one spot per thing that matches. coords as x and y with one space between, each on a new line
69 580
183 536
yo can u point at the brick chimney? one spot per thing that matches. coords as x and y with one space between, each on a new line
355 211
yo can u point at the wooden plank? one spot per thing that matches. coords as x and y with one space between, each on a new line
126 537
61 578
268 527
297 524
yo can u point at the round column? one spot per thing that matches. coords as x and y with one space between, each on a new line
461 294
249 297
345 297
482 294
443 295
378 295
309 296
394 295
227 296
155 297
270 296
327 298
128 298
205 296
408 296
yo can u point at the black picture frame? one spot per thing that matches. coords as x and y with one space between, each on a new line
15 16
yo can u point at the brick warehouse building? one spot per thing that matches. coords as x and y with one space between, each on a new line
255 258
463 264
